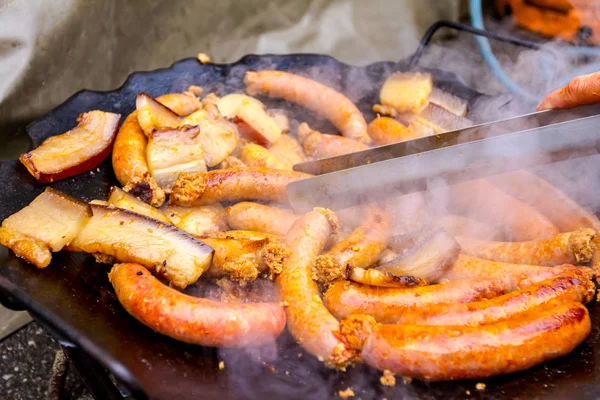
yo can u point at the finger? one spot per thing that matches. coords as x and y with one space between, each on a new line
581 90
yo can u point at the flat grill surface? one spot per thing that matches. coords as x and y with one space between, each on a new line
73 295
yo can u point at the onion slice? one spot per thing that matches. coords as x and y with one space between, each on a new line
428 259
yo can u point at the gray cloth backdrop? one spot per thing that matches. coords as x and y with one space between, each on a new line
49 49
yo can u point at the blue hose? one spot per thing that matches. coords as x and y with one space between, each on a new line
494 65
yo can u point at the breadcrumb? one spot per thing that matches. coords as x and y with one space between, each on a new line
344 394
480 386
387 379
221 365
203 58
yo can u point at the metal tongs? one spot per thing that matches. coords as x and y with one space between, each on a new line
482 150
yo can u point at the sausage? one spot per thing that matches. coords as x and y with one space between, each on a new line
232 184
315 96
254 155
244 235
385 130
258 217
360 249
581 90
437 353
309 322
481 200
564 248
560 209
129 151
563 288
344 298
515 275
244 259
191 319
322 145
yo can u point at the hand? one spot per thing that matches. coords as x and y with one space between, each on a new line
581 90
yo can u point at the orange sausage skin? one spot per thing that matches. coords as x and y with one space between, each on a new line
437 353
191 319
313 95
232 184
344 298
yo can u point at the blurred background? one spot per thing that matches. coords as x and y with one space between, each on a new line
51 49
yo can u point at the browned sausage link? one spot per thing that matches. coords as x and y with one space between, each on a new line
483 201
563 288
191 319
309 321
449 352
516 275
315 96
257 217
345 298
560 209
321 145
129 151
243 260
361 248
457 225
564 248
232 184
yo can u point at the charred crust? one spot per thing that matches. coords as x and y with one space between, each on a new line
146 190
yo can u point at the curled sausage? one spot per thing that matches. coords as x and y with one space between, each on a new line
129 151
385 130
481 200
564 248
191 319
560 209
244 259
438 353
315 96
563 288
258 217
232 184
361 248
344 298
309 322
515 275
322 145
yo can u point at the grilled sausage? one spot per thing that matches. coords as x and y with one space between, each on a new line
361 248
232 184
560 209
462 226
344 298
564 248
516 275
288 151
315 96
257 217
384 130
438 353
309 322
322 145
191 319
564 288
483 201
129 151
244 259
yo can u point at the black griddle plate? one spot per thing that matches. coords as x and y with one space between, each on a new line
74 298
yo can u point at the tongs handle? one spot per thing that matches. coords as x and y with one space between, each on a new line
414 60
